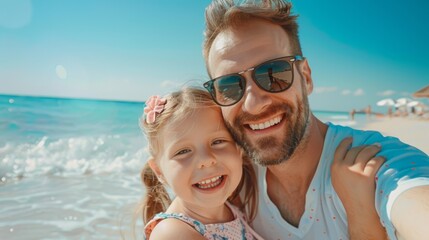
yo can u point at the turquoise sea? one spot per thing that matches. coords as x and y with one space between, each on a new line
69 168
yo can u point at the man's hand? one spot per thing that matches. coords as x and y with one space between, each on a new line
353 174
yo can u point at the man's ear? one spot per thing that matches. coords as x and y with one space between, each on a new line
306 72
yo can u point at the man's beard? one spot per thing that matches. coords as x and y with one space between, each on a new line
276 150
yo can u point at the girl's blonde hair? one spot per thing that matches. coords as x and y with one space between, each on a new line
180 105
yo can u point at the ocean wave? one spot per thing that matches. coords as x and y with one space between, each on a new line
72 156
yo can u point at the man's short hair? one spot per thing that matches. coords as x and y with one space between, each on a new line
224 14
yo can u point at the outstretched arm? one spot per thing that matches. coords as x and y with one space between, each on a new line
353 174
410 213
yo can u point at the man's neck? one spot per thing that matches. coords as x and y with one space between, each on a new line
288 182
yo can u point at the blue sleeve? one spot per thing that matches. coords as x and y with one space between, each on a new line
405 167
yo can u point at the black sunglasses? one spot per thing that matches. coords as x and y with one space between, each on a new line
273 76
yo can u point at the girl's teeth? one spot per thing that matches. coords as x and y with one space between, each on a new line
209 183
209 180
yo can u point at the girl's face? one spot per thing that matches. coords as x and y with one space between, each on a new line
199 160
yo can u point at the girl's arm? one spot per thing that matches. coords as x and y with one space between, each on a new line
353 174
168 229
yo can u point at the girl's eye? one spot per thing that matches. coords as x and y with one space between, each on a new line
183 151
218 141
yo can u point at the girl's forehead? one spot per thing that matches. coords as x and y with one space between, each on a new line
204 120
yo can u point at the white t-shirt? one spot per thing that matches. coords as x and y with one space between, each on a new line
324 216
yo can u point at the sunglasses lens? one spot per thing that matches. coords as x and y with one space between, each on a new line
275 76
272 76
228 90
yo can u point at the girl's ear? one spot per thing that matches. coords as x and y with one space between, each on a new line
240 150
155 168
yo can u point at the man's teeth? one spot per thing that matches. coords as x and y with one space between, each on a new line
266 124
209 183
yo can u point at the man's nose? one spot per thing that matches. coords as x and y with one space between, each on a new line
255 98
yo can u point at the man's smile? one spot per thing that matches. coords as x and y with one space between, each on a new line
266 124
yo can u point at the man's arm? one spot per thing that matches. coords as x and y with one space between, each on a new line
410 213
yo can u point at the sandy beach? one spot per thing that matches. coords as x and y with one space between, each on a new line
410 130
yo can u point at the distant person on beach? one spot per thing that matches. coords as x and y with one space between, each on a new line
193 153
352 114
368 111
389 112
413 110
261 80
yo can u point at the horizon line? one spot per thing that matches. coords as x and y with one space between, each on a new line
118 100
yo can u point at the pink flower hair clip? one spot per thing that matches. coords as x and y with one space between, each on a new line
154 105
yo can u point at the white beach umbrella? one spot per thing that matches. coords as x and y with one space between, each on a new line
386 102
413 103
402 102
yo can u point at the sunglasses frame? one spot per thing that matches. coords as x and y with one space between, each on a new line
209 84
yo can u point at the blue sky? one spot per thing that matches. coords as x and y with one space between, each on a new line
359 52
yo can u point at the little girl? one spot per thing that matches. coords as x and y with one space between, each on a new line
192 153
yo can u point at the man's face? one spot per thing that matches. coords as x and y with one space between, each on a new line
269 126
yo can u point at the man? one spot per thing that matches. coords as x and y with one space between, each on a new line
262 82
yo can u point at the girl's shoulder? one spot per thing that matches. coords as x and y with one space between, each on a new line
168 225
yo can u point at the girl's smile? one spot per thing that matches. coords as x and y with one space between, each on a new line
211 184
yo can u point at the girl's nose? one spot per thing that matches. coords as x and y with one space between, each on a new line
207 160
